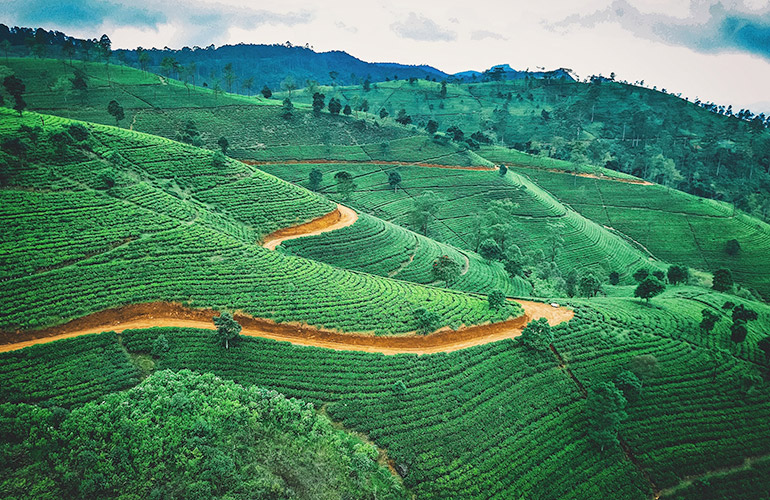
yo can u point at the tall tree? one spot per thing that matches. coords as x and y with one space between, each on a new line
605 406
424 208
116 110
14 86
723 280
394 179
537 335
266 92
227 328
288 84
649 288
315 178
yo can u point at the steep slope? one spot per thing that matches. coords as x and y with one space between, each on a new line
674 226
120 217
467 195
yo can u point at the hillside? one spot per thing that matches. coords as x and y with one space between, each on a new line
632 129
413 315
121 217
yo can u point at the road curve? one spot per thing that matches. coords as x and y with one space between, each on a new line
338 218
163 314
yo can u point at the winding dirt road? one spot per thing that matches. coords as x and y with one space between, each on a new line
341 217
154 314
366 162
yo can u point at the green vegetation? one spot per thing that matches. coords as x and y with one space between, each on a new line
182 435
175 228
673 226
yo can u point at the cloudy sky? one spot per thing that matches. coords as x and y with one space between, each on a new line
715 50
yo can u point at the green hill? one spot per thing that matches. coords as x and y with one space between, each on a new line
643 132
121 217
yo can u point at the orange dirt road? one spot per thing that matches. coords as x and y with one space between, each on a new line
341 217
154 314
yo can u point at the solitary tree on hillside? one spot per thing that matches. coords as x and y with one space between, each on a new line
248 84
5 46
394 179
144 60
537 335
605 406
589 285
347 111
318 102
723 280
502 170
315 178
677 274
427 321
223 144
649 288
614 278
266 92
345 184
446 269
424 208
334 106
383 113
227 328
442 92
288 84
116 110
403 118
287 109
229 75
496 299
431 127
732 247
709 319
16 88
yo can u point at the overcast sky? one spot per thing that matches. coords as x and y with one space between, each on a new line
715 50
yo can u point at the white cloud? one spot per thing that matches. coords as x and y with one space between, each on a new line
420 28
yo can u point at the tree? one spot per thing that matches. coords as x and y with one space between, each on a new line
16 88
223 143
644 366
614 278
403 118
248 84
490 250
218 161
424 208
738 332
345 184
708 320
641 274
502 170
229 75
367 85
571 282
160 346
589 285
287 109
334 106
743 314
266 92
318 102
723 280
678 274
427 321
496 299
383 113
227 328
649 288
394 179
431 127
288 84
346 110
605 406
456 133
61 141
442 92
537 335
764 345
5 46
116 110
144 60
629 384
315 178
732 247
445 269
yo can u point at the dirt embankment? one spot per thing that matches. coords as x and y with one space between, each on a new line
154 314
340 217
366 162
